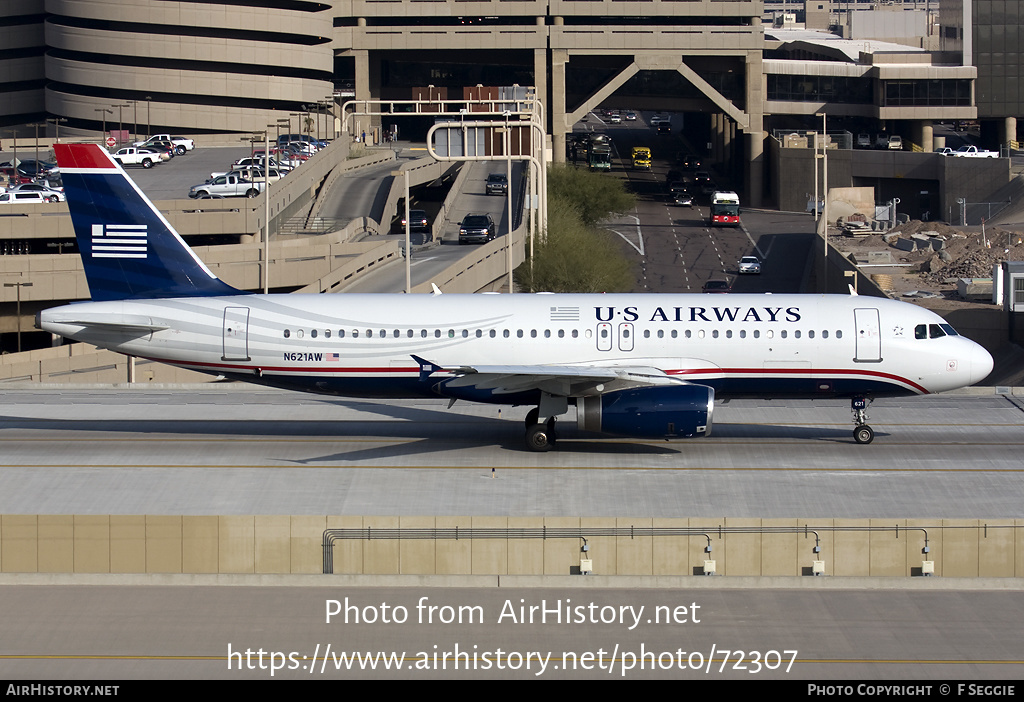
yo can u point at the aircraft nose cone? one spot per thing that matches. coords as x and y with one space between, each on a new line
981 364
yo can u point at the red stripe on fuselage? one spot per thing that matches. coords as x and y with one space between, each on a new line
824 373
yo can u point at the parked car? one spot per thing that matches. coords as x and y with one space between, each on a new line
478 228
228 185
135 156
181 144
750 265
30 197
716 285
863 140
51 194
497 184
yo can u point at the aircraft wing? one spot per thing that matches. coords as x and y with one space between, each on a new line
567 381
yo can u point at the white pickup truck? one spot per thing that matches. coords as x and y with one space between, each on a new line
132 156
973 152
181 144
228 185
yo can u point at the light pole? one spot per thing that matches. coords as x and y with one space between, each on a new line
37 125
104 111
56 123
18 286
408 222
120 120
149 123
824 207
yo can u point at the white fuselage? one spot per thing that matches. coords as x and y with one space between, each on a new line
363 345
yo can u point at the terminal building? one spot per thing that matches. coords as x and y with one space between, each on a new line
227 66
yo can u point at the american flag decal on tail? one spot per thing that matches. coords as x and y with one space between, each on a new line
119 241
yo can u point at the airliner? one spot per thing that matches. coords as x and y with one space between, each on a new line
640 365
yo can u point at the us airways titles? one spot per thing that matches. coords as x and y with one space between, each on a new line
701 314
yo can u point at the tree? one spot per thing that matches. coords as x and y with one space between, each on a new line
574 257
597 195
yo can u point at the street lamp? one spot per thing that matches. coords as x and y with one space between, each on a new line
104 111
56 123
37 125
18 286
824 207
408 220
149 123
120 120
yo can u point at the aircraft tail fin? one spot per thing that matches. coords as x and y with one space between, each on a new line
129 250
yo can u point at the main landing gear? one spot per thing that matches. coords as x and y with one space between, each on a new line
541 436
862 433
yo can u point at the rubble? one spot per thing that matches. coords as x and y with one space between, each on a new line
939 255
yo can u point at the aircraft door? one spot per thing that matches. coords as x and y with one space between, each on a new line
869 338
236 334
604 337
626 336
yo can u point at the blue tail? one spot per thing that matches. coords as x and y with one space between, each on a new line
129 251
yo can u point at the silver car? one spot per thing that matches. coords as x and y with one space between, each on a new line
750 264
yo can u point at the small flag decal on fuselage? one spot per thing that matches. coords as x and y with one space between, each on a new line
119 241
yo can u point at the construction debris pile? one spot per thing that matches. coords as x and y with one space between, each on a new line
939 254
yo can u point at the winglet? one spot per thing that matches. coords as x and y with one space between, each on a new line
129 250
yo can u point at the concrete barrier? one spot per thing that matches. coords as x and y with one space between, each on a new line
282 544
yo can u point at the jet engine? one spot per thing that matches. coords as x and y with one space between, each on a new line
674 412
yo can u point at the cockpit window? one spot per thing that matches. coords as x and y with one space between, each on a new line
948 328
921 331
935 331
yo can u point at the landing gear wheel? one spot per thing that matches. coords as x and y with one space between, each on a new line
864 434
538 438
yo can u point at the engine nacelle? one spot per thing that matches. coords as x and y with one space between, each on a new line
650 413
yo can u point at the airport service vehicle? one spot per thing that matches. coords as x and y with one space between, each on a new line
640 365
228 185
641 158
725 209
945 151
181 144
974 152
133 156
750 265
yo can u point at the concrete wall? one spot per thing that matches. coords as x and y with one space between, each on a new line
292 544
892 173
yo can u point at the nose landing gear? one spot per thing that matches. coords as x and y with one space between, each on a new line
862 433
